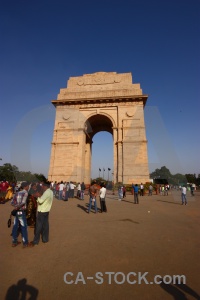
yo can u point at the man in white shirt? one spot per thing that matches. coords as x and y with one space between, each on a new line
71 187
192 189
141 189
183 195
102 195
61 187
79 191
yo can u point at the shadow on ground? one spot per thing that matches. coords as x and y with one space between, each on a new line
21 291
179 291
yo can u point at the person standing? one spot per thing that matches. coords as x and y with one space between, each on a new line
42 222
141 189
160 189
71 188
3 188
166 190
120 192
66 191
136 189
150 190
52 185
54 188
79 190
9 194
19 203
93 194
61 187
31 205
82 190
102 196
124 191
183 195
163 190
192 188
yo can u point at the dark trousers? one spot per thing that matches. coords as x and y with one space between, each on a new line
71 193
66 195
42 227
103 205
136 200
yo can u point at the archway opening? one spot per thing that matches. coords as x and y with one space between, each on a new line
102 156
99 134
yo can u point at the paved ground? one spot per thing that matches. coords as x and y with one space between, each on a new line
158 236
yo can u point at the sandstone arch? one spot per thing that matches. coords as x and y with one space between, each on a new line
99 102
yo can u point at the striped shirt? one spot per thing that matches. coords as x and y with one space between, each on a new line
19 200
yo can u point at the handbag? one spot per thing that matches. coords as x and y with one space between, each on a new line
9 221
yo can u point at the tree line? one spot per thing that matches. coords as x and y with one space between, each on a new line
11 173
177 179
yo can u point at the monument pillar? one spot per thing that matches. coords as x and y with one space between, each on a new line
87 164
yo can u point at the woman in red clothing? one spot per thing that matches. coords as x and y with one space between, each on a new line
3 190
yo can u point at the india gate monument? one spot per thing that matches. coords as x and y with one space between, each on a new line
99 102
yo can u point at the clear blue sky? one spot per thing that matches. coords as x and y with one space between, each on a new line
43 43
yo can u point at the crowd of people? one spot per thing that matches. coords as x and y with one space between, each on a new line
31 206
66 190
32 203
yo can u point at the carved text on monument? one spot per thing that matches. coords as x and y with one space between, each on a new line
98 80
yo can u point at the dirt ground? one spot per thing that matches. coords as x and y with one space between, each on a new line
158 236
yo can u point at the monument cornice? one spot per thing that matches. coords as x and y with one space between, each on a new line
100 99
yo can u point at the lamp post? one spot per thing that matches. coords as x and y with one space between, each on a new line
103 172
99 172
108 173
0 169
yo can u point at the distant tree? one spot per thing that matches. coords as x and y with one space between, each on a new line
191 178
25 176
40 177
8 172
179 179
198 180
162 173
